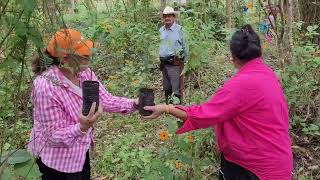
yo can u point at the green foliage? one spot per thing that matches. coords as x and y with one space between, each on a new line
24 165
185 156
130 155
16 156
201 33
301 84
122 160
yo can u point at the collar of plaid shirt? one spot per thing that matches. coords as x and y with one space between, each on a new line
56 135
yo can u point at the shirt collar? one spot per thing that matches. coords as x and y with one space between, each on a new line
54 75
250 64
172 28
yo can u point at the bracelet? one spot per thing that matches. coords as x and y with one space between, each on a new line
83 132
168 108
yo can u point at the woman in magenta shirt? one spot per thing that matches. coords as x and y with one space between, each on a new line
249 115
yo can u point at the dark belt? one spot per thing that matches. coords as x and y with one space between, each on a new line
167 60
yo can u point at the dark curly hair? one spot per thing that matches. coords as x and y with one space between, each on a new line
245 44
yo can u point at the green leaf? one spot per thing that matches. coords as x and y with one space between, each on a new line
305 129
317 133
184 159
172 155
172 125
19 156
21 29
27 170
166 172
313 127
163 152
6 174
29 5
8 63
312 28
179 156
206 162
115 160
150 176
6 146
175 100
180 123
184 145
35 37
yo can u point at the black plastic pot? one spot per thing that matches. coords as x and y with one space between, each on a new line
90 94
146 98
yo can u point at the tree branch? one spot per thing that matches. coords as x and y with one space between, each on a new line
12 28
4 8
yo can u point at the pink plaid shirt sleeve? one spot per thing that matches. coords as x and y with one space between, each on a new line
112 103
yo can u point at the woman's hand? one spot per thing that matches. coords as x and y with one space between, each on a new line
88 121
157 110
169 109
136 103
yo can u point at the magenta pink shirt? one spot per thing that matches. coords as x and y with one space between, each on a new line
56 135
249 115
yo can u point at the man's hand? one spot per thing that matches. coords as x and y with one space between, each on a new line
88 121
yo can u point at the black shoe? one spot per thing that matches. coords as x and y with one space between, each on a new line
168 94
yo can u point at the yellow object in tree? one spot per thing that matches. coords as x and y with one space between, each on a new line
109 86
136 82
265 45
178 164
249 5
122 23
114 77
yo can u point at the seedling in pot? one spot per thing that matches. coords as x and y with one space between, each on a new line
146 98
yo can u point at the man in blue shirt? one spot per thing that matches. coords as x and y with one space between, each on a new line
173 54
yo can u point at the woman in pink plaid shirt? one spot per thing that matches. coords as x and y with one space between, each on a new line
61 135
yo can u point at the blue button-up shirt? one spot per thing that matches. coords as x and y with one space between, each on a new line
173 41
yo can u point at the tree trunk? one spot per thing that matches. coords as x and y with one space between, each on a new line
290 31
229 13
130 2
309 11
296 10
73 6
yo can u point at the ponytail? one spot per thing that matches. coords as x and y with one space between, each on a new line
42 60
